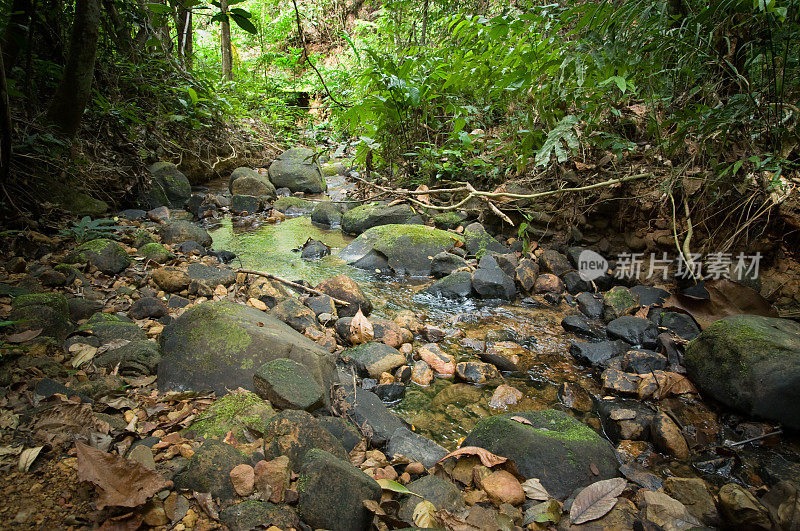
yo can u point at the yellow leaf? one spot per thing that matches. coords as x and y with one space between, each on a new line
423 515
361 329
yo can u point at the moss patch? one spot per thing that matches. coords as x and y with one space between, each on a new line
285 203
155 252
234 412
56 301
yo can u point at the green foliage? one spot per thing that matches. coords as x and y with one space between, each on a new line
90 229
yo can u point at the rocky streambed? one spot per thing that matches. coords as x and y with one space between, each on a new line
417 371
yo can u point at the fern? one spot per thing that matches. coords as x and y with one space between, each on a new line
564 133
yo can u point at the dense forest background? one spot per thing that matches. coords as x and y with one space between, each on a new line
699 97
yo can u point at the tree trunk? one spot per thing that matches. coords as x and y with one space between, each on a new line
225 40
16 30
122 30
424 23
5 127
72 95
183 25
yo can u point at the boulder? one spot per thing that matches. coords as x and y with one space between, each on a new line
493 283
526 273
555 448
169 187
81 204
344 288
445 263
454 285
293 433
219 345
374 358
46 311
551 261
414 446
245 204
597 354
680 324
211 275
328 214
332 493
181 231
581 326
476 372
155 252
590 305
137 358
365 217
246 181
478 242
443 494
340 428
253 514
293 206
108 327
406 249
287 384
298 170
234 413
294 313
751 364
106 255
366 410
209 469
314 250
171 279
635 330
642 361
619 301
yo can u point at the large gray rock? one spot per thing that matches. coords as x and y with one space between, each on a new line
219 345
555 448
479 242
454 285
365 217
328 214
369 413
493 283
415 446
169 187
750 363
374 358
297 170
183 231
406 249
46 311
287 385
246 181
106 255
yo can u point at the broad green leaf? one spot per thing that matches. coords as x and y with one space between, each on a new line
244 23
388 484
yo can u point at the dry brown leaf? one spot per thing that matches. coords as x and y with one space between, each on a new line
22 337
27 457
361 329
596 500
661 384
423 198
522 420
61 419
727 298
487 458
120 482
534 490
453 522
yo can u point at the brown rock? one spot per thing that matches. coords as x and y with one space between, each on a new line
502 487
432 334
243 479
408 319
344 288
526 273
548 283
387 331
171 279
694 494
440 361
273 477
415 468
665 511
668 438
620 382
421 373
741 509
505 396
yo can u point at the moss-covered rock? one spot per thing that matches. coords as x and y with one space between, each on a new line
406 249
327 214
619 301
219 345
137 358
82 204
750 363
46 311
298 170
293 206
142 237
288 385
555 448
156 252
209 470
246 181
183 231
169 187
361 218
253 514
106 255
56 301
107 327
448 220
479 242
233 413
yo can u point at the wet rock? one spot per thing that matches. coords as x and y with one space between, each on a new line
741 509
634 330
455 285
649 295
625 419
504 355
548 283
106 255
695 495
445 263
344 288
250 184
492 283
252 514
643 361
476 372
169 187
298 170
369 413
502 487
219 345
555 448
580 326
390 392
314 250
597 354
444 495
680 324
361 218
374 358
148 307
665 511
293 206
619 301
46 311
321 304
525 274
332 492
293 433
421 373
408 249
750 363
478 241
668 438
415 447
575 397
171 279
209 469
137 358
340 428
181 231
155 252
508 262
574 284
620 381
191 247
211 275
294 313
287 384
328 214
782 501
551 261
590 305
440 361
245 204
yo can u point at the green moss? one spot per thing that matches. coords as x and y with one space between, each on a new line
96 246
393 235
155 252
142 237
285 203
234 412
448 220
220 332
56 301
361 212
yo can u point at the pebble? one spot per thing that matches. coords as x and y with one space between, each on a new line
502 487
243 479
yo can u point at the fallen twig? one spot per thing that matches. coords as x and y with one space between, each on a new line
291 284
755 439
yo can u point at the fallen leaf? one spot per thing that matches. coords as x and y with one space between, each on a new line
726 298
423 515
454 523
596 500
545 512
83 356
522 420
388 484
361 329
594 469
120 482
61 419
10 450
534 490
487 458
27 457
22 337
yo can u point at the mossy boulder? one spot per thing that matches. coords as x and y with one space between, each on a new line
246 181
82 204
142 237
183 231
479 242
619 301
169 187
751 364
253 514
209 470
108 327
293 206
233 413
364 217
106 255
448 220
298 170
405 249
328 214
294 433
137 358
48 311
219 345
554 447
155 252
288 385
